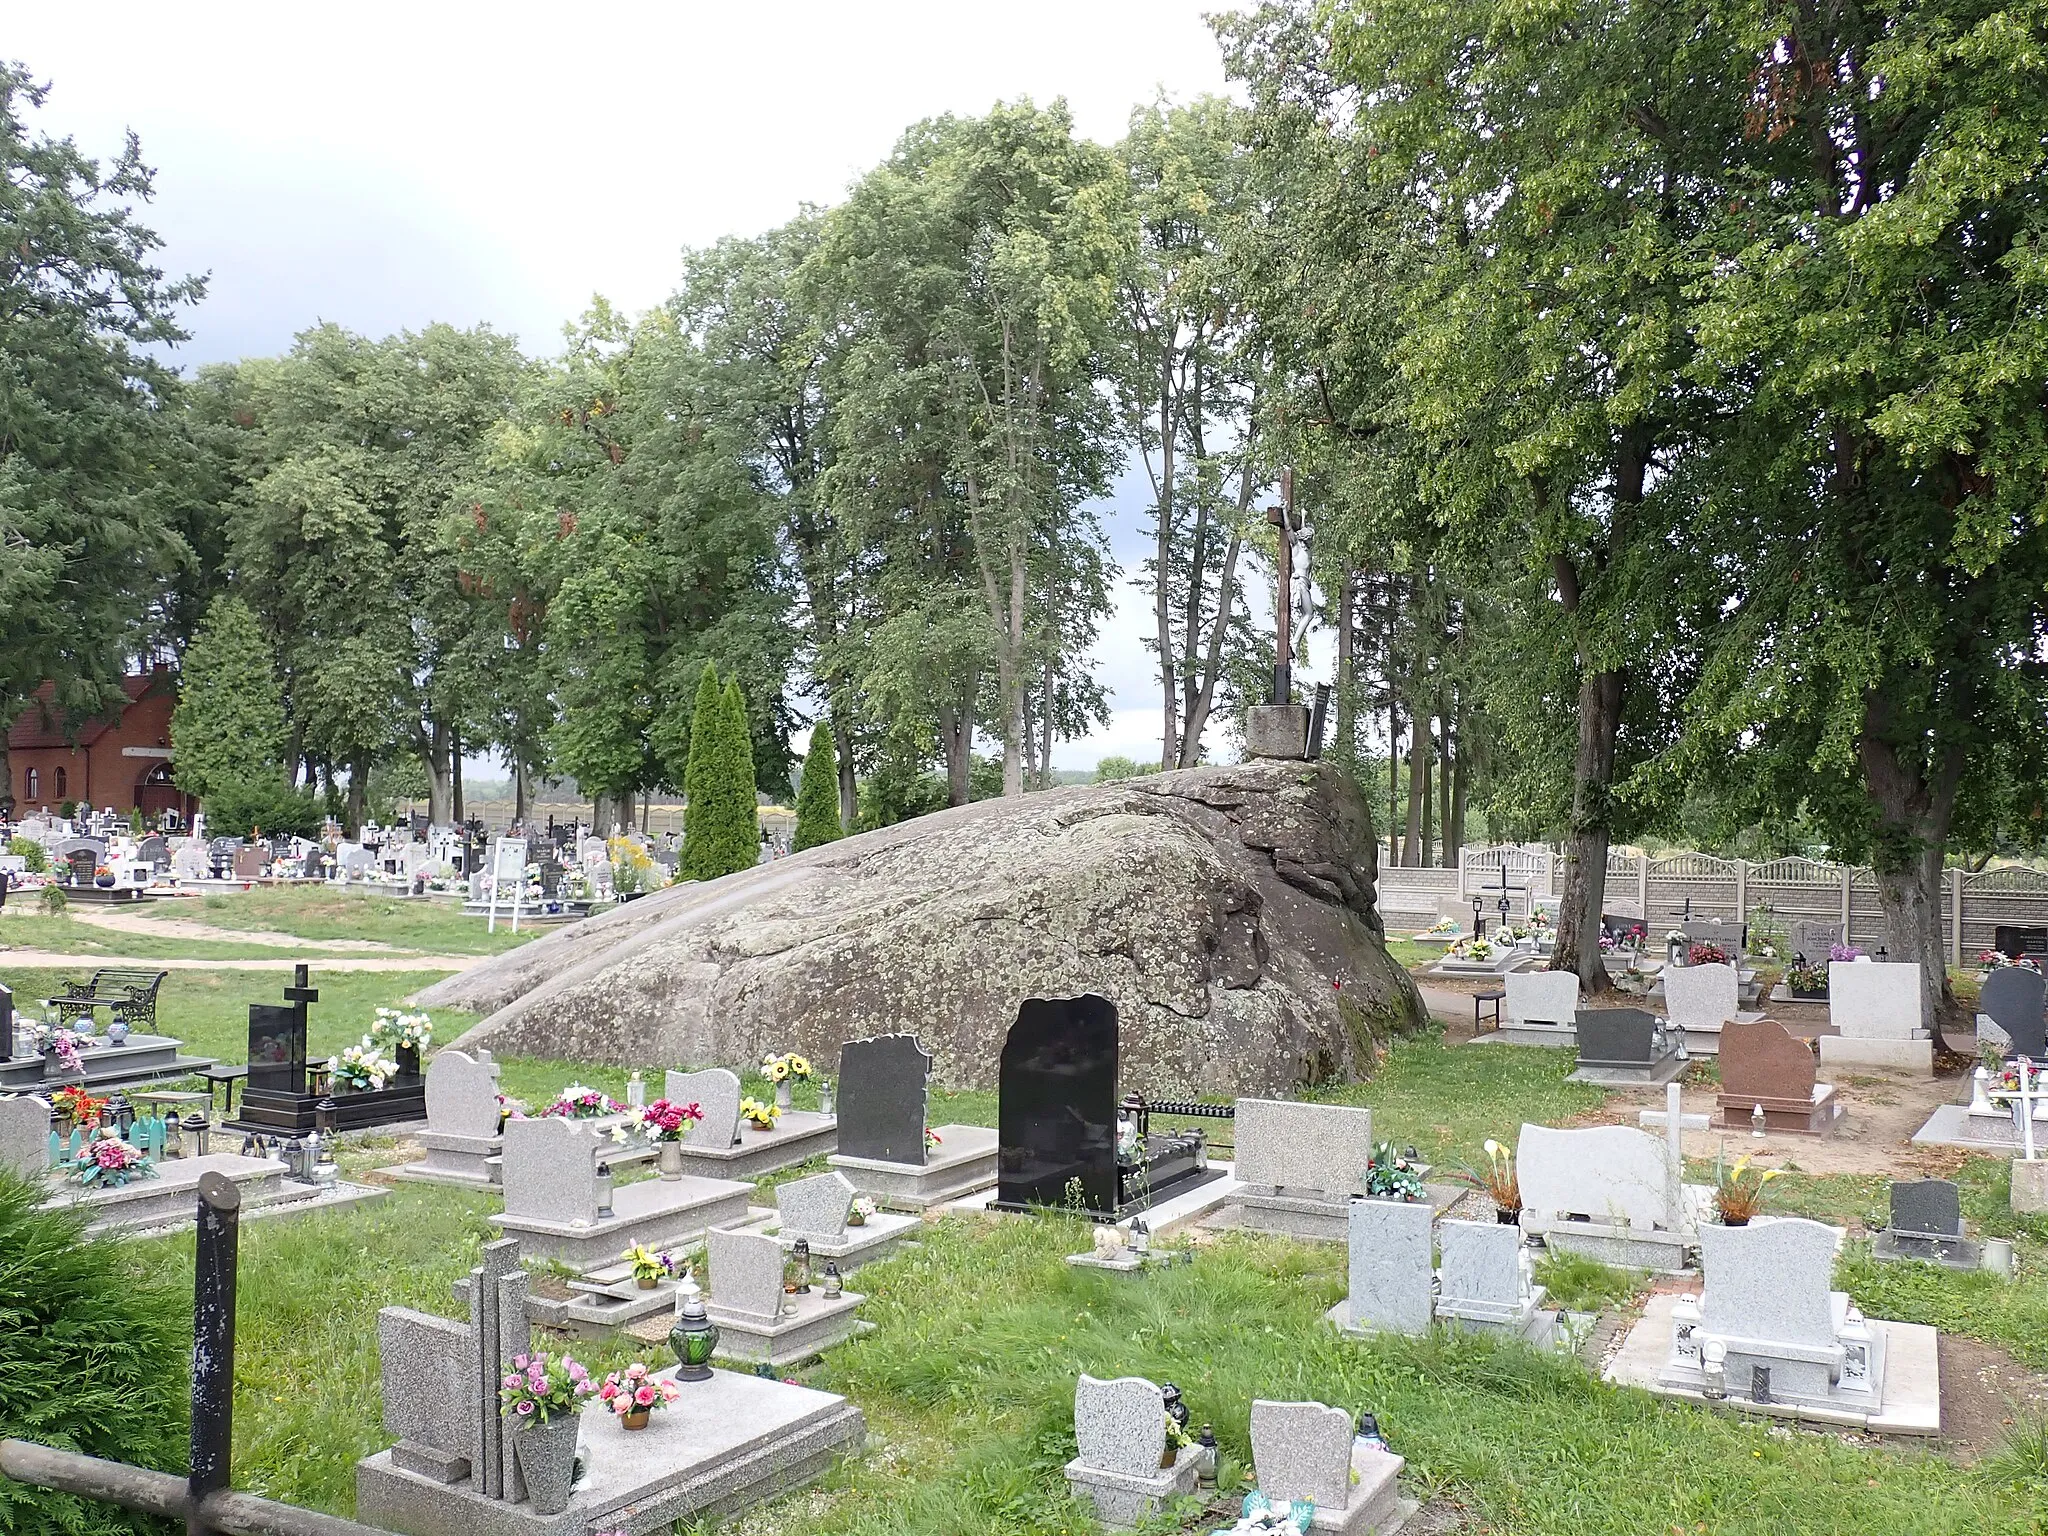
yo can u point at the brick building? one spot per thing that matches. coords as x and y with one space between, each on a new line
123 762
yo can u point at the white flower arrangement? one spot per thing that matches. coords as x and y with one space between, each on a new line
393 1030
360 1067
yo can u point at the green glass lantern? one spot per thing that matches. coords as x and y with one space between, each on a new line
694 1337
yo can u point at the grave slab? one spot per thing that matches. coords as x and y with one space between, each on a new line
963 1163
1875 1000
1390 1270
1761 1063
1120 1438
800 1135
1913 1057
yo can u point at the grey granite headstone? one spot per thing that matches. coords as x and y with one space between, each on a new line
550 1170
1929 1207
430 1403
1302 1451
1482 1262
1617 1037
884 1096
1813 939
746 1273
1120 1425
1769 1281
1702 997
25 1136
462 1095
1876 999
717 1093
1281 1144
816 1206
1391 1265
2013 997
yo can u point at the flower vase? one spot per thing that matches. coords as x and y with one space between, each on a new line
1734 1221
782 1094
671 1160
408 1061
547 1460
1507 1218
104 882
637 1419
647 1282
855 1219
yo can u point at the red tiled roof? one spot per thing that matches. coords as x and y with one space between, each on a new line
41 725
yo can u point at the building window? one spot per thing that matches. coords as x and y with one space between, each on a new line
35 785
61 785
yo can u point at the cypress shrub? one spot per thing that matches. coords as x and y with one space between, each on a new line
817 799
698 773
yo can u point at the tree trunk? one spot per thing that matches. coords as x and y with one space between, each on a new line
1169 748
519 792
1045 746
1443 780
1428 795
956 736
1418 776
849 788
1913 813
1585 880
1457 833
1347 714
1393 774
358 798
455 770
438 789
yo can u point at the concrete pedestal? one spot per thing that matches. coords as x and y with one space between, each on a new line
661 1213
799 1135
1913 1056
1276 730
963 1163
809 1326
726 1445
1121 1500
874 1239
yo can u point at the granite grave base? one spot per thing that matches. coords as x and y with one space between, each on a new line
800 1135
1914 1056
171 1198
660 1213
963 1163
141 1059
1819 1116
873 1240
726 1445
809 1325
1122 1499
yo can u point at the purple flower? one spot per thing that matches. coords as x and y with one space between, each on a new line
525 1408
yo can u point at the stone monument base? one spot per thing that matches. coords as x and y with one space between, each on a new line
809 1326
1375 1507
2029 1186
873 1240
1303 1216
171 1198
1276 730
1530 1322
963 1163
661 1213
1623 1246
1667 1068
1961 1253
1121 1500
1817 1117
467 1162
1915 1055
799 1135
726 1445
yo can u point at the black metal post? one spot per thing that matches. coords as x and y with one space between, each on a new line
1315 722
213 1343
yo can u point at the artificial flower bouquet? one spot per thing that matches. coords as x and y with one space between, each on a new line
760 1116
636 1392
393 1030
108 1162
666 1120
361 1067
577 1102
1390 1175
786 1067
541 1385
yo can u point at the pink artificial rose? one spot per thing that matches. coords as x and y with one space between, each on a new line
526 1407
608 1391
644 1396
635 1371
511 1381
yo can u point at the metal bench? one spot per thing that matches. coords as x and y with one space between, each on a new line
129 995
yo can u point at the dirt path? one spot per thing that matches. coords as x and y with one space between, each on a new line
401 961
187 928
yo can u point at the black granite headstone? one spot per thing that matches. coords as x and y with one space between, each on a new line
2019 943
1057 1108
83 862
1617 1037
277 1049
6 1020
1927 1207
2013 997
883 1099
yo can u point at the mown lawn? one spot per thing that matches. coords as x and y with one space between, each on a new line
66 935
322 912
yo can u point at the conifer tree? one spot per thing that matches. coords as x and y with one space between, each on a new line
698 774
817 798
738 824
228 728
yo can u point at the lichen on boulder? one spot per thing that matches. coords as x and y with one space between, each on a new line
1228 912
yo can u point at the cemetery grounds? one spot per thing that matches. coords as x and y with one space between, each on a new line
967 1379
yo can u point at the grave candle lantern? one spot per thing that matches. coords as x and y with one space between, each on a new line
835 1285
694 1338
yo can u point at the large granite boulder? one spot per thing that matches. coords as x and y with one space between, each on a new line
1228 912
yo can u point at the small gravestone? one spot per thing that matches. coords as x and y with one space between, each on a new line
2020 942
1391 1268
1302 1451
6 1023
2013 998
189 861
1813 939
277 1048
1283 1144
1770 1282
462 1095
1617 1037
430 1402
1057 1104
815 1207
1538 998
25 1135
1927 1224
82 861
884 1097
1762 1064
746 1273
550 1171
717 1093
1701 997
154 852
1876 999
1482 1283
1120 1425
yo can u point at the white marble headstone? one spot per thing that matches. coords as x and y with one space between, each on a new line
1769 1281
1120 1425
746 1273
1391 1265
550 1170
1540 997
717 1093
1612 1174
1482 1262
1700 996
1302 1451
815 1207
25 1135
1281 1144
1875 999
462 1095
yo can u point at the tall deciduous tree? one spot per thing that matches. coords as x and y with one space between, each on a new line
94 472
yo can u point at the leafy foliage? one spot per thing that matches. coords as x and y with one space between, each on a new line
94 1357
722 822
228 729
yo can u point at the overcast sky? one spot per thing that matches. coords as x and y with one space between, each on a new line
384 166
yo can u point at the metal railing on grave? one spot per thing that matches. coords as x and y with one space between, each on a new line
1144 1109
201 1498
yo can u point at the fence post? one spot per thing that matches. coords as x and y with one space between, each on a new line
213 1343
1742 892
1955 916
1846 874
1643 889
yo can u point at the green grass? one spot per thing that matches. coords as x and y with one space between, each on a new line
1586 1285
326 913
209 1010
65 935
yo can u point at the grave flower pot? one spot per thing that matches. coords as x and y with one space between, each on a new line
104 882
408 1061
637 1419
1507 1218
1734 1221
782 1100
547 1459
671 1160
